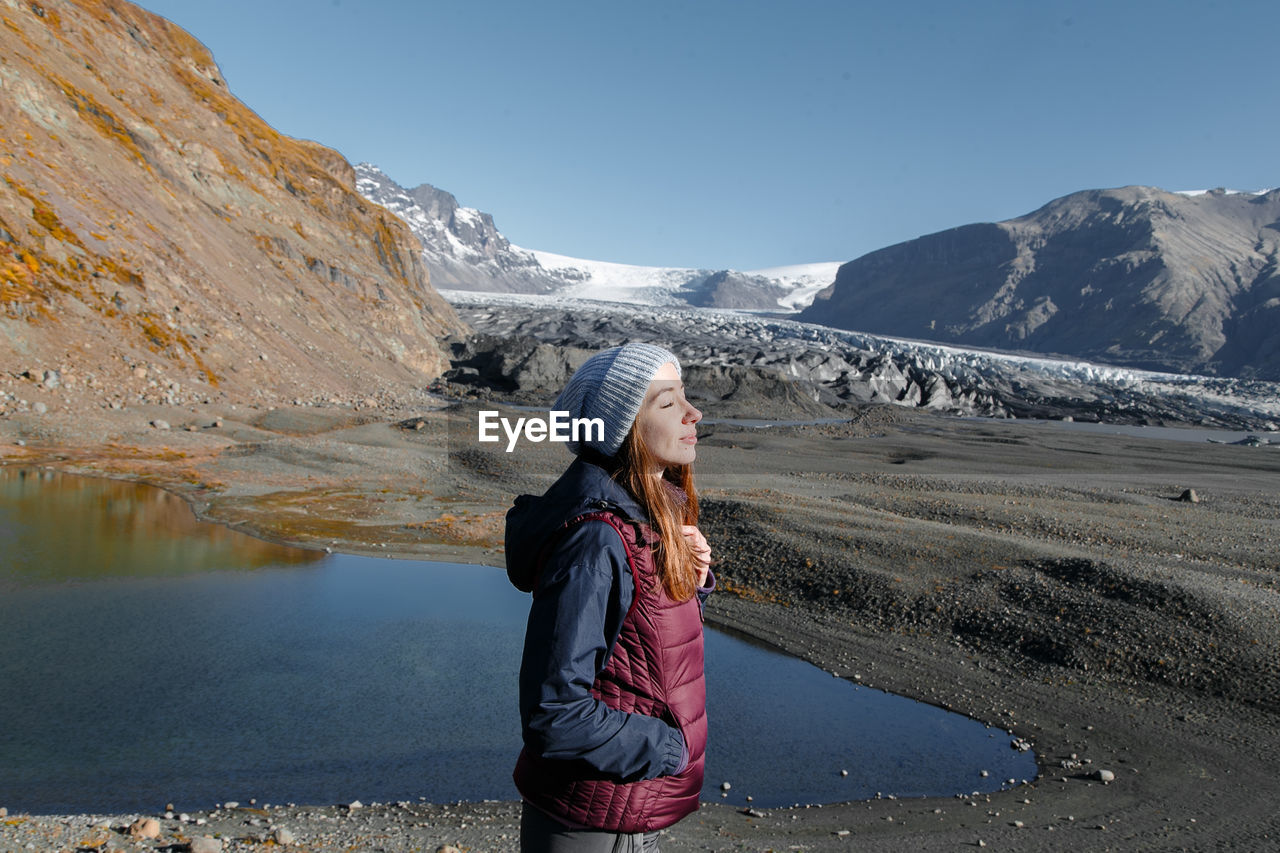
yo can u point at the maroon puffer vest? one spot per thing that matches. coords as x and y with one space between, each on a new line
656 670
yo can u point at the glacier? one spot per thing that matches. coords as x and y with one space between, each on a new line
838 368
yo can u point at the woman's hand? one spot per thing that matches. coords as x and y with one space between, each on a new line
701 551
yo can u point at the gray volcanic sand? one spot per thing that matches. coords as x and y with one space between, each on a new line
1036 578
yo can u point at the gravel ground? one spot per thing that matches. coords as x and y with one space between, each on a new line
1043 580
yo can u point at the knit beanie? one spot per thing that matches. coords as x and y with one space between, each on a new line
611 386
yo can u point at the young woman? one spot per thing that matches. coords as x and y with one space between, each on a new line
612 697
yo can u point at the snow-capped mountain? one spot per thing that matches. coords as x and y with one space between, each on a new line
461 246
781 289
463 250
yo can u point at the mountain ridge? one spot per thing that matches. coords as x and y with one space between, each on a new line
1133 276
465 251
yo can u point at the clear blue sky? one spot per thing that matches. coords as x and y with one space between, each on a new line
747 134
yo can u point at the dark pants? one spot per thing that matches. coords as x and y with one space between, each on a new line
541 833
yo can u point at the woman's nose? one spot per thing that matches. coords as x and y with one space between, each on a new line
692 415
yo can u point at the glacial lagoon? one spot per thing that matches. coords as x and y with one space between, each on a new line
148 658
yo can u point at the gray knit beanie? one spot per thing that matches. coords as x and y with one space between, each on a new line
611 386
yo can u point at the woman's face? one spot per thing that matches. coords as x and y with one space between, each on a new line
667 420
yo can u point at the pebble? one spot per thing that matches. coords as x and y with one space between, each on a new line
205 844
1104 776
724 786
284 837
145 827
159 424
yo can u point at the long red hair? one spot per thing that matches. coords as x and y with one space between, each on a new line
667 509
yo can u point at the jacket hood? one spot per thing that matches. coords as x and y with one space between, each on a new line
533 520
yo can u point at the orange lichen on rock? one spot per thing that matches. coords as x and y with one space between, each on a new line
17 276
49 221
101 119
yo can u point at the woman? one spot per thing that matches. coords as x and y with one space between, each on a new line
612 697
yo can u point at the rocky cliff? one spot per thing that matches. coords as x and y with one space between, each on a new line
160 241
1133 276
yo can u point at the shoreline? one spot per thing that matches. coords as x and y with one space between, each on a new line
1191 769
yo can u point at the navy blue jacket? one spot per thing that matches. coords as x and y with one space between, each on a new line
582 592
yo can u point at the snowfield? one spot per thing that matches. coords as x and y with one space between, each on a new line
641 285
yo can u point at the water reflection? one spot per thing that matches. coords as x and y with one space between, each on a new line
59 527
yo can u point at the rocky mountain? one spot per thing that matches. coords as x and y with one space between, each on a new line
461 246
464 250
160 241
1183 282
